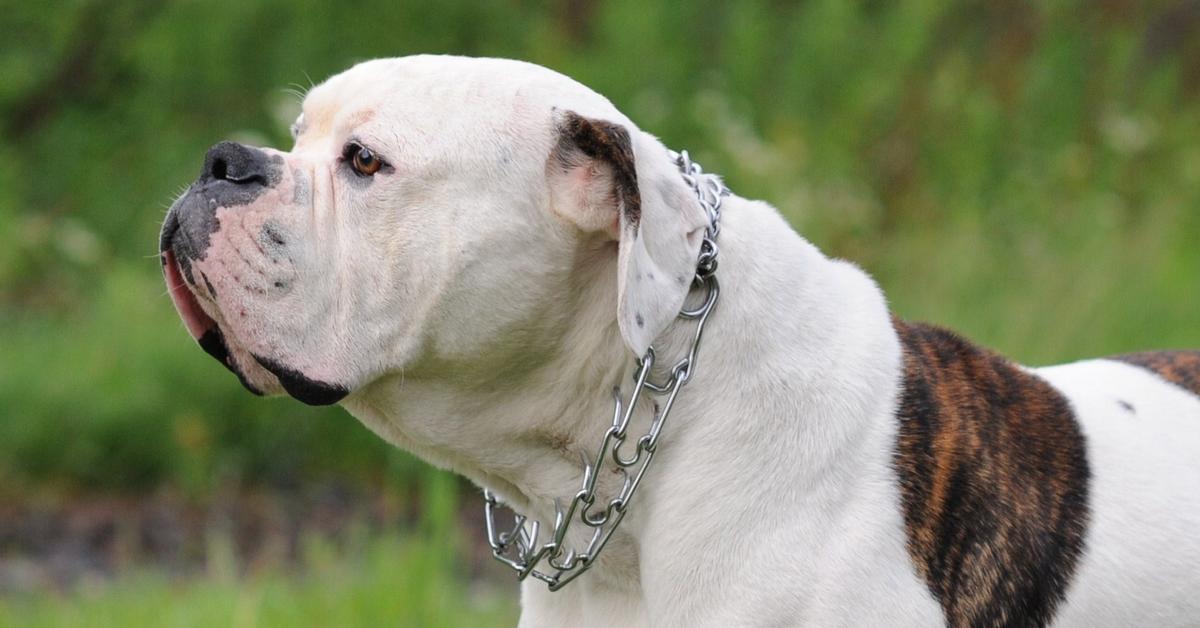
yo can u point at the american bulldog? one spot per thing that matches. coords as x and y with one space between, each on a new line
469 255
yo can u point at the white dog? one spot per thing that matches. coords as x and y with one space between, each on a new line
469 254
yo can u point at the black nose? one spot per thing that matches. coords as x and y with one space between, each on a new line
242 165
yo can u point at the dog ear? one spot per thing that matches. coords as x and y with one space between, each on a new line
597 182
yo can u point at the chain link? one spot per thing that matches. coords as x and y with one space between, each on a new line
519 547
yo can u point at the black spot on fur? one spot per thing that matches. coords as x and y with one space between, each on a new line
641 322
994 481
608 143
309 391
272 235
1126 406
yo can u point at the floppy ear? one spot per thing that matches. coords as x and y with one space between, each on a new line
597 182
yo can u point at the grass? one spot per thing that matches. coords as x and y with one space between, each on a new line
396 581
363 579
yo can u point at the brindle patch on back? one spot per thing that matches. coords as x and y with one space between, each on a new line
1181 368
993 478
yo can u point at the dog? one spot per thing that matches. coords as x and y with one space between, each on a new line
468 255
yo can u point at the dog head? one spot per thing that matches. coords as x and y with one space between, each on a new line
432 215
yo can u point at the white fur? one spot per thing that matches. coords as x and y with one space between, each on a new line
470 301
1141 561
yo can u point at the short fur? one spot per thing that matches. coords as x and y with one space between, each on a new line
994 479
825 466
605 143
1181 368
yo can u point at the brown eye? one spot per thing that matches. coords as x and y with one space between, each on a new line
363 160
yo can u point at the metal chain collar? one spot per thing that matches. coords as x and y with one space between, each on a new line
519 547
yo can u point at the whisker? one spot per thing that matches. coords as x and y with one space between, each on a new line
297 92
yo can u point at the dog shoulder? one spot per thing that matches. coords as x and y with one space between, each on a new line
993 480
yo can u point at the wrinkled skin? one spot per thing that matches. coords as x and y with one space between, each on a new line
332 279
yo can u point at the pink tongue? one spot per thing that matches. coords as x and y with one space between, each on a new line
194 318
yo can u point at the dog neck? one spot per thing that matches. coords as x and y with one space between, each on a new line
517 429
523 433
788 331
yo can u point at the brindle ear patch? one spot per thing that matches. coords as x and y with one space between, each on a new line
607 143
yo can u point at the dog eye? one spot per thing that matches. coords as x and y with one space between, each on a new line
362 160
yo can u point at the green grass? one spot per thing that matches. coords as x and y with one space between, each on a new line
362 579
410 581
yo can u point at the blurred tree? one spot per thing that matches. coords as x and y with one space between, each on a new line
1024 171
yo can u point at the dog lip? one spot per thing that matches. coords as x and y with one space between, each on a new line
201 326
167 236
300 386
186 303
213 343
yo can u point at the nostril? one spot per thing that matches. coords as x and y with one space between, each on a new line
235 163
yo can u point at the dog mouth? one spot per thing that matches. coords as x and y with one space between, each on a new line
207 332
203 329
198 322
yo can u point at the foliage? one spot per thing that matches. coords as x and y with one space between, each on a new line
1024 172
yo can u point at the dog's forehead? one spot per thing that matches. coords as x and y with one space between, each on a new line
427 91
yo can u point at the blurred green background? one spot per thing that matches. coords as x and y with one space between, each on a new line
1026 172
